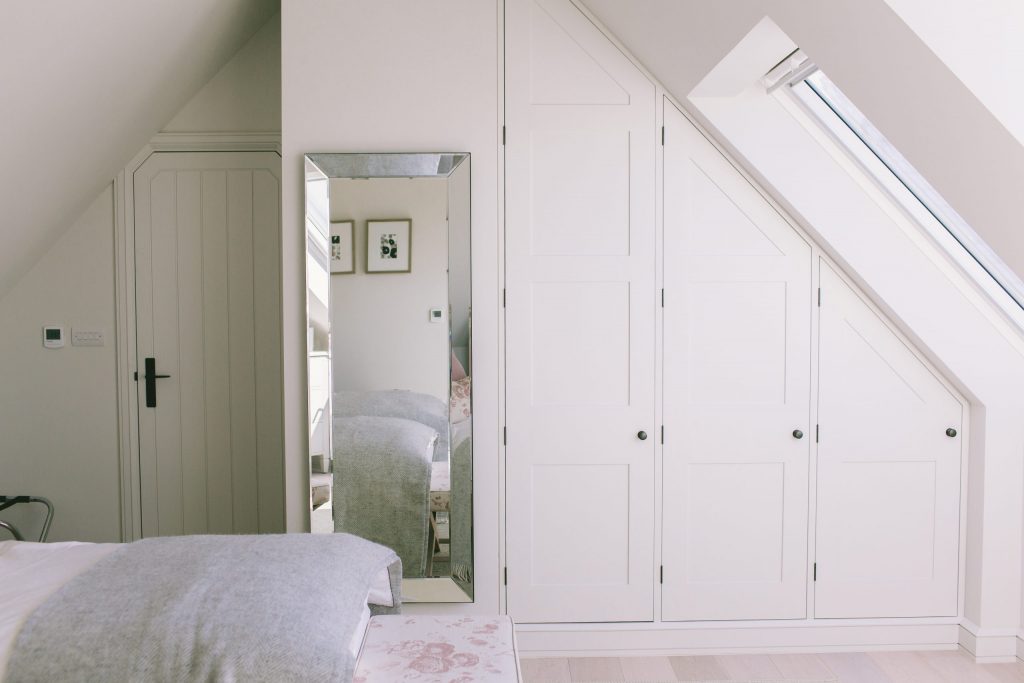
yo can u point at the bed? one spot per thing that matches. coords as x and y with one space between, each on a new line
398 461
382 473
427 410
191 608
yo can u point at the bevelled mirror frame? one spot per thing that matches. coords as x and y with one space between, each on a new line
331 412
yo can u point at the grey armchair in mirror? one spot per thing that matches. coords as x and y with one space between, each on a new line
390 363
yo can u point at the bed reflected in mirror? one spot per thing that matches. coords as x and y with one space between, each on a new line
390 365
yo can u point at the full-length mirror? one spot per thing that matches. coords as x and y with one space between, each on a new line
390 364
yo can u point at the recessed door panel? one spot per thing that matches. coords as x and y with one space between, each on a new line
580 321
736 387
730 363
580 345
887 534
748 499
570 546
565 68
586 211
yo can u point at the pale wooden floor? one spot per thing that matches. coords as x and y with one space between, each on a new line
855 667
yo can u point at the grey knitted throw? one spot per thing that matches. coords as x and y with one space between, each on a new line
382 484
207 608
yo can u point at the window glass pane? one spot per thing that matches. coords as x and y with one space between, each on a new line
917 185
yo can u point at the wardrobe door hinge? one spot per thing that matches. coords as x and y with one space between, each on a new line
815 574
503 136
661 574
663 136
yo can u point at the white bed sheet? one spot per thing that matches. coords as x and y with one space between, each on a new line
32 572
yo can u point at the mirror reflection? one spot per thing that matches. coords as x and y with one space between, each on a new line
390 363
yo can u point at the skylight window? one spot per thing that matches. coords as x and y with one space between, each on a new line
908 187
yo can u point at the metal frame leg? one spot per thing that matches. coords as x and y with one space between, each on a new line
8 501
12 529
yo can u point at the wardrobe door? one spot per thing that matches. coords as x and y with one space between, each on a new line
738 300
580 321
887 541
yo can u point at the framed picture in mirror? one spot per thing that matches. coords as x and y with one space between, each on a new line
389 246
343 247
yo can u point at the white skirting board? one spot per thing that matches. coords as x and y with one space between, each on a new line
989 645
623 640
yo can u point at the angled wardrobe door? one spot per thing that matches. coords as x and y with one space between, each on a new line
207 264
737 392
580 321
887 537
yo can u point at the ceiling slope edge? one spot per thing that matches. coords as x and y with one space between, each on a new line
86 92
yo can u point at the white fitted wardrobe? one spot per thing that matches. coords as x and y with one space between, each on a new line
706 421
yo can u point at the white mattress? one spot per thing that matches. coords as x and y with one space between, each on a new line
32 572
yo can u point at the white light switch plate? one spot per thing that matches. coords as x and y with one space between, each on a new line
83 337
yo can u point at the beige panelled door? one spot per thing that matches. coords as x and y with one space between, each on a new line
738 301
207 268
888 470
580 201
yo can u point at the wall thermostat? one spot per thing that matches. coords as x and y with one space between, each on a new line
53 336
436 315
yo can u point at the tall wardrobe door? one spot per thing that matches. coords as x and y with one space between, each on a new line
580 316
738 300
888 470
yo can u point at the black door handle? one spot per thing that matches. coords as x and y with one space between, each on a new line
151 377
642 436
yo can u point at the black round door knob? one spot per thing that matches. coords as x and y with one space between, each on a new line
797 434
950 432
641 435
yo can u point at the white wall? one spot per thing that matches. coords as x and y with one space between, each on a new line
58 409
397 76
85 85
381 334
245 95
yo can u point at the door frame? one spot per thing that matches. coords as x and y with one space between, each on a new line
124 299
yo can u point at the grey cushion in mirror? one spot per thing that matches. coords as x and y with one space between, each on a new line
411 405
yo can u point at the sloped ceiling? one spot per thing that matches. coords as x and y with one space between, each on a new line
880 63
83 86
980 42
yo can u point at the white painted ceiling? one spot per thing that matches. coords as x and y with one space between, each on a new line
83 86
885 68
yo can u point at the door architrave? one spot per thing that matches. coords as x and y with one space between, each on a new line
124 299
